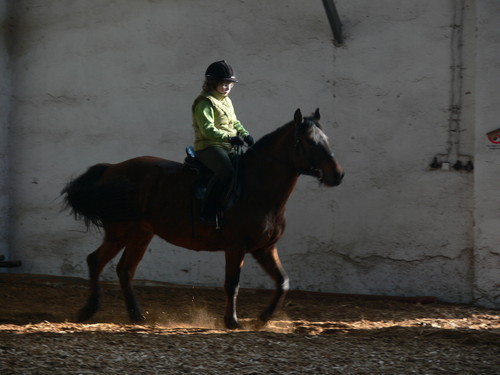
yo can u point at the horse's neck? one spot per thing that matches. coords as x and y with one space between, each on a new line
276 145
270 171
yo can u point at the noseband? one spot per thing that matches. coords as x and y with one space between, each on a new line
313 168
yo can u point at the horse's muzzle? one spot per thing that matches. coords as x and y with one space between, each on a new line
332 174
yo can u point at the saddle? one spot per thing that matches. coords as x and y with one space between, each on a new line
204 175
192 162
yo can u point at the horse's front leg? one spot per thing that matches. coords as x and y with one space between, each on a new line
234 263
269 260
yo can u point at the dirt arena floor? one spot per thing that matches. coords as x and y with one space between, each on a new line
315 334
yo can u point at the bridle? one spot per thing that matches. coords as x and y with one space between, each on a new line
313 167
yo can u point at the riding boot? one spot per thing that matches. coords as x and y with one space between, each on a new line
211 203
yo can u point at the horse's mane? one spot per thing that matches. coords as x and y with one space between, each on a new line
308 125
269 138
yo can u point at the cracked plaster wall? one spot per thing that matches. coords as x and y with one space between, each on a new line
105 81
5 97
487 208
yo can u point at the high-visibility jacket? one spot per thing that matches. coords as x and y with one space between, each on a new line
214 121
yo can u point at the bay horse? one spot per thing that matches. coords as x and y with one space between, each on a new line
146 196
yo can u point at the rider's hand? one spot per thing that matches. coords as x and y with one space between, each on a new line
249 140
236 141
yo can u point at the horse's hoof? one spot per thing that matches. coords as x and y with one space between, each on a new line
138 319
232 323
265 317
85 314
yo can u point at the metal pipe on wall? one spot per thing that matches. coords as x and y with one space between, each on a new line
334 19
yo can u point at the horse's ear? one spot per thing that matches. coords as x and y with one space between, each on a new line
297 117
316 115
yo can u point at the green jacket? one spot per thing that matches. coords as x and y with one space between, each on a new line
214 121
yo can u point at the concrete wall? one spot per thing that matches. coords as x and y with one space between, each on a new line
486 176
5 98
103 80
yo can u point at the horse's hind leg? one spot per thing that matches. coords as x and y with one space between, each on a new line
96 262
234 263
269 260
134 251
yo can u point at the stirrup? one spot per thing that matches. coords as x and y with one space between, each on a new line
218 221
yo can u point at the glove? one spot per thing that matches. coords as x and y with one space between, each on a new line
249 140
236 141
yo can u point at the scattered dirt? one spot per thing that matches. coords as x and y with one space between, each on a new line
316 333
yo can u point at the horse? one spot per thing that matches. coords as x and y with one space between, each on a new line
135 200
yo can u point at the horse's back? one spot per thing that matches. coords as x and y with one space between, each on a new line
142 168
145 162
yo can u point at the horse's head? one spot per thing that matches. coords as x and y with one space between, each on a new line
312 152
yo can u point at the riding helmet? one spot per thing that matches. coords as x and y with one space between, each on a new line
220 71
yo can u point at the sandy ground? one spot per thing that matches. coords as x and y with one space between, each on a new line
315 334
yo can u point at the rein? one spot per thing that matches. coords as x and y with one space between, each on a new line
313 170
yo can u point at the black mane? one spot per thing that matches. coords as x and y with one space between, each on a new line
268 138
308 125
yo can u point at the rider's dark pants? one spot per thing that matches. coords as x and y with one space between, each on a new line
218 161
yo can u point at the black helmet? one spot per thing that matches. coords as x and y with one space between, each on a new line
220 71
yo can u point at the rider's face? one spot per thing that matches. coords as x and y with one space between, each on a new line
225 87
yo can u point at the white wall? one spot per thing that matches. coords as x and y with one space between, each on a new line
102 81
5 97
487 210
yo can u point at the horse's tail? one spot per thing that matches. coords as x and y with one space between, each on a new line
96 202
